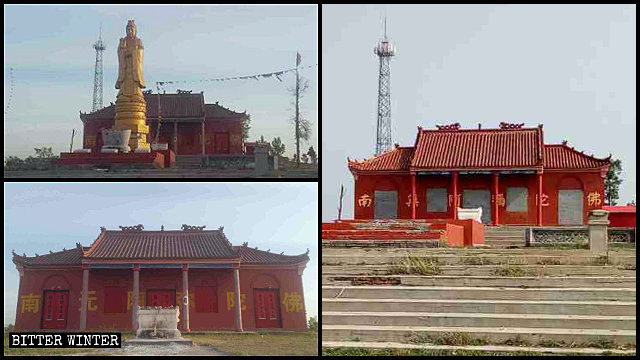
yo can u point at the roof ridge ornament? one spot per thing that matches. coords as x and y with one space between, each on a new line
449 127
510 126
138 227
186 227
78 245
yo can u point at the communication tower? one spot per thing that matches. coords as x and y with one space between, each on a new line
385 49
97 77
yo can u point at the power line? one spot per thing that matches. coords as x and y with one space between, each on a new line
6 109
277 74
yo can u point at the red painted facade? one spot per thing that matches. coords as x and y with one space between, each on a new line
621 216
184 117
494 159
211 290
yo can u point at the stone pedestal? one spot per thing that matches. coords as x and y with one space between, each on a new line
261 155
158 323
131 115
598 233
116 139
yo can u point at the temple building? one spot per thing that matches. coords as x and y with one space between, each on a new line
509 172
93 288
188 125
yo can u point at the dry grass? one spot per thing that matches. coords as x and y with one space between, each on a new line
259 344
416 265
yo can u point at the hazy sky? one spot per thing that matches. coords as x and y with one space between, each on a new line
569 67
50 49
40 217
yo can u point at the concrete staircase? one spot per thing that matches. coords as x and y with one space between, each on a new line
486 300
505 236
188 161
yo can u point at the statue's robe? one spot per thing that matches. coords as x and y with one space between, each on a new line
130 53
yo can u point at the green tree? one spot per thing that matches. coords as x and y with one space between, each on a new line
313 323
312 155
304 158
44 153
612 182
277 147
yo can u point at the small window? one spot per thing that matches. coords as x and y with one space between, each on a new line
206 299
437 200
115 299
517 199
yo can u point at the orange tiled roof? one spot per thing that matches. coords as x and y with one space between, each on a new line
65 257
563 157
161 245
492 148
397 159
255 256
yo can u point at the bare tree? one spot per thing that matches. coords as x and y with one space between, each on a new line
302 125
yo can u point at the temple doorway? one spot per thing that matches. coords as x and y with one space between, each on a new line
55 309
163 298
267 308
570 207
473 199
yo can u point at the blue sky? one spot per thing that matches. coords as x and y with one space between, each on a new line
40 217
50 49
569 67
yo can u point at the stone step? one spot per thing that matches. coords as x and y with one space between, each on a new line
476 251
485 270
479 293
505 243
456 319
483 281
534 335
373 258
603 308
475 349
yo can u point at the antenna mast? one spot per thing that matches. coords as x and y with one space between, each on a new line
385 49
97 77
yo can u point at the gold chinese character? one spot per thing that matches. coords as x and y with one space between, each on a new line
142 299
544 199
501 200
90 299
231 302
292 302
593 199
90 141
415 198
364 201
30 303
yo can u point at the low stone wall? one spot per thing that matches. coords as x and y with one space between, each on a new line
242 162
569 236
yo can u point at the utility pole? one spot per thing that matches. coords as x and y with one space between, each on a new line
385 50
73 132
340 204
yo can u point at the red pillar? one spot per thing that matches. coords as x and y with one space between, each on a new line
85 291
455 195
539 217
185 294
136 288
413 196
175 137
495 198
202 137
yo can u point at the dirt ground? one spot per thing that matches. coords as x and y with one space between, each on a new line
147 350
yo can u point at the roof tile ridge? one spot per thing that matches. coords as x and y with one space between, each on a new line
582 153
95 243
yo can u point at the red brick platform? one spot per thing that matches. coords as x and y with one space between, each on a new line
413 233
152 160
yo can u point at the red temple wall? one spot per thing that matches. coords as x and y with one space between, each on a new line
590 182
189 135
287 281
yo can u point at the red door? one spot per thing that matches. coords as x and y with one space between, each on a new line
54 313
222 143
267 308
163 298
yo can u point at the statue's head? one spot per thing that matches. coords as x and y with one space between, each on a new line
131 29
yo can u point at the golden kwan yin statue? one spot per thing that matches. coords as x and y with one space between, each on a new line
130 105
